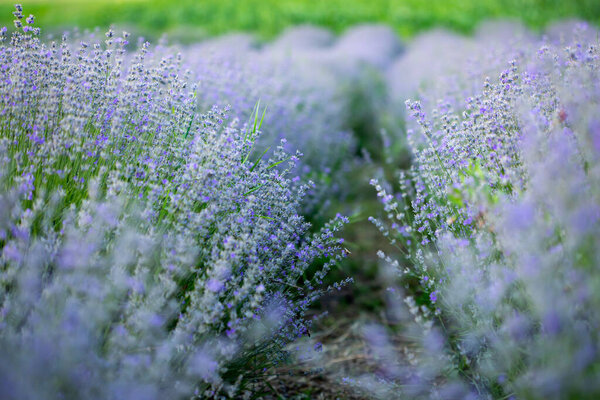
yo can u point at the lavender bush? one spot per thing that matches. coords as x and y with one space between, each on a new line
146 252
305 111
496 227
324 94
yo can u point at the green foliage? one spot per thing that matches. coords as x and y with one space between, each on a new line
193 19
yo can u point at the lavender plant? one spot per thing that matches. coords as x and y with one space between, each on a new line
145 251
322 94
497 226
307 114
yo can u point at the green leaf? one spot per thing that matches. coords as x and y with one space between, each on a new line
259 158
254 189
278 162
189 127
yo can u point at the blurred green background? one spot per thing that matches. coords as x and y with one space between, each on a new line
190 20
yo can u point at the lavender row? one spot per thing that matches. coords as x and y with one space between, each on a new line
145 250
496 228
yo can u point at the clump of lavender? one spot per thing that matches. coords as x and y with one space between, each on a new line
442 66
497 223
322 94
145 251
303 112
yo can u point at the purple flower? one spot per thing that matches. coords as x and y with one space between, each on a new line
433 296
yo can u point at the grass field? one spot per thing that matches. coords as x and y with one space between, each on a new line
193 19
